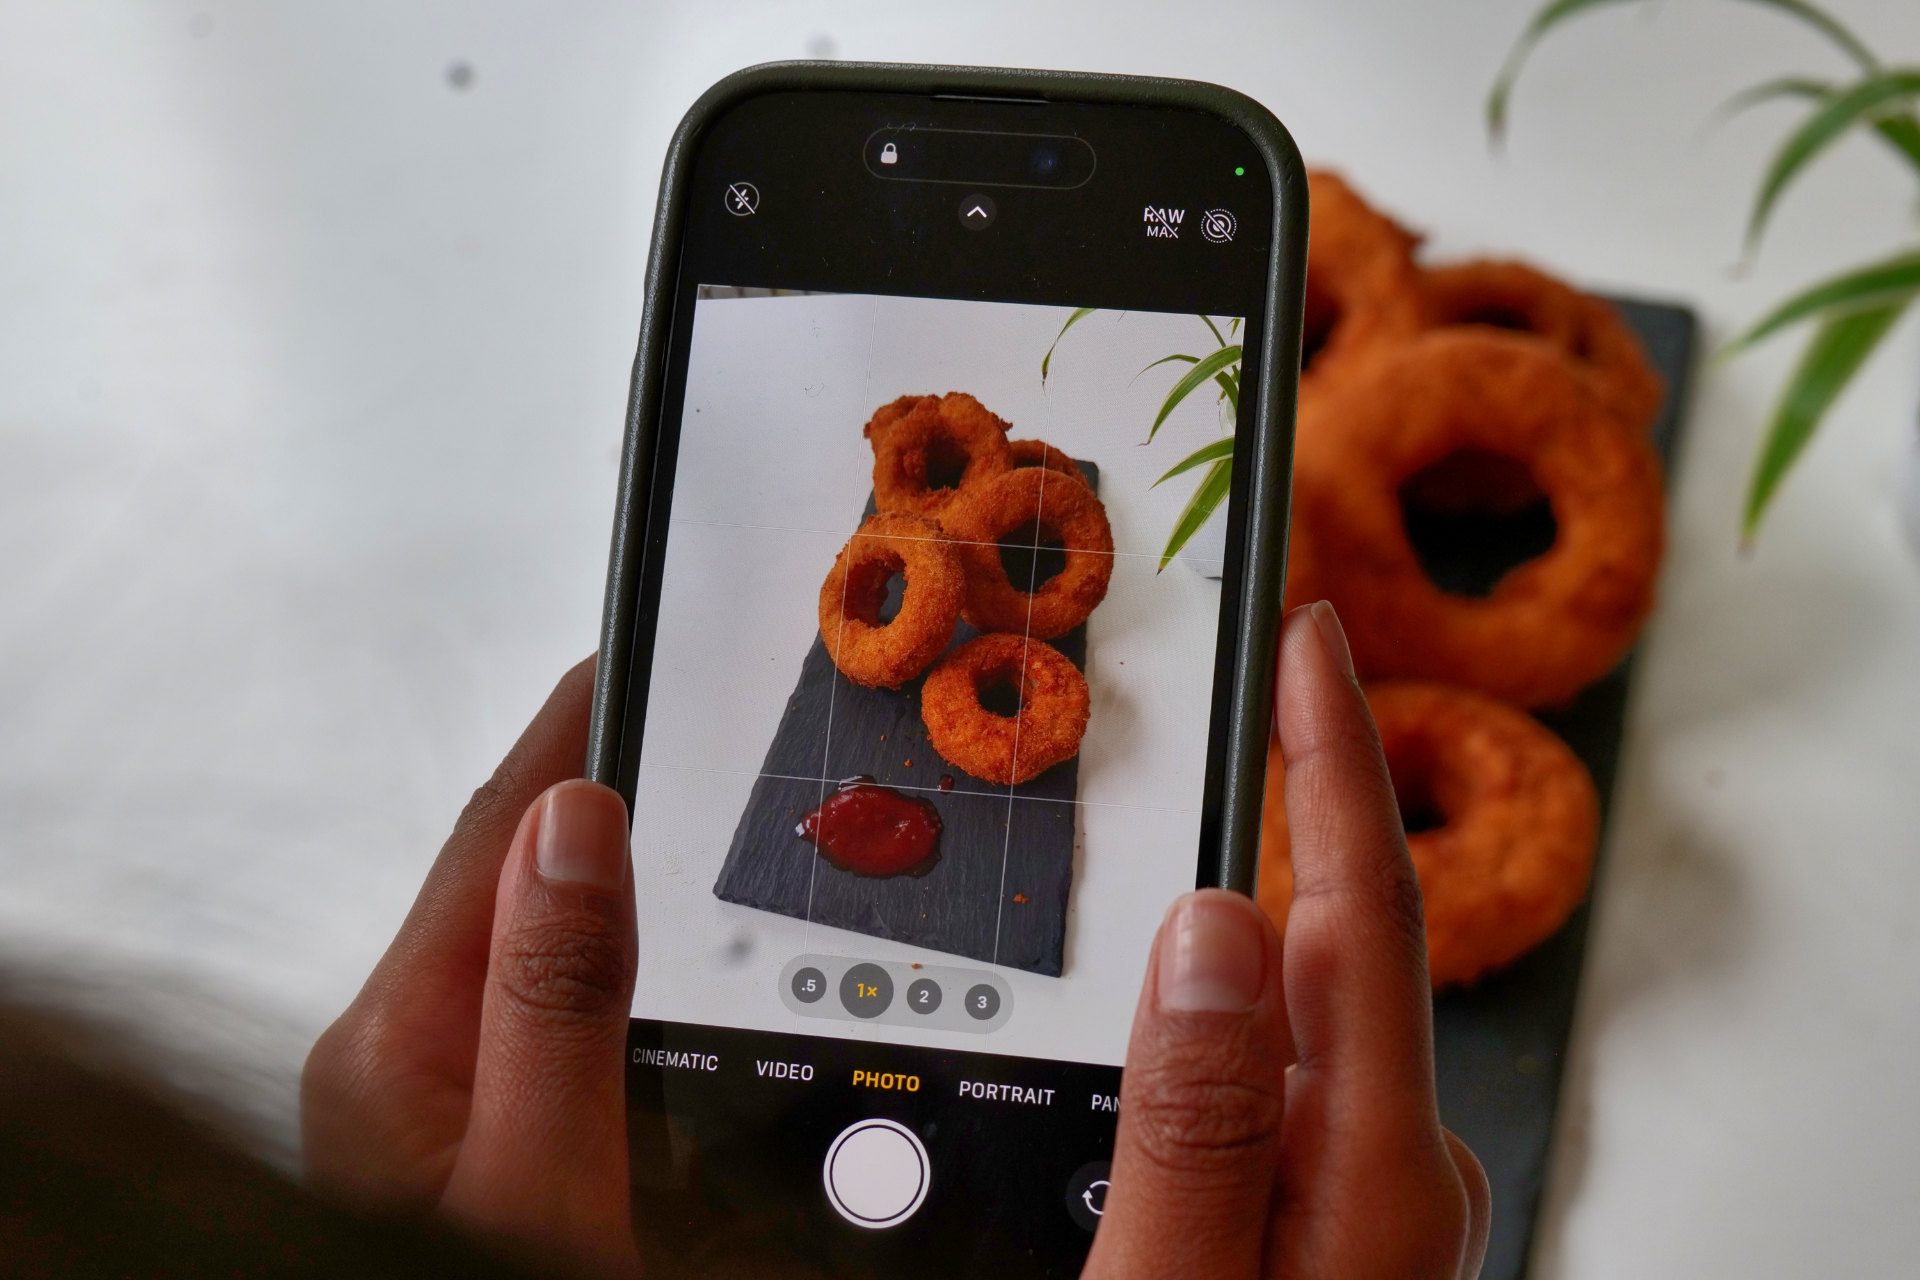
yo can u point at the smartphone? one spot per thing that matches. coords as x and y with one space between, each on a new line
889 949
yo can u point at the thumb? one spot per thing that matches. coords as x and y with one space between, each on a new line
1201 1099
544 1158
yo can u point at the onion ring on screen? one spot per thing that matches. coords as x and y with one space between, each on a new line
1031 498
1038 453
1551 625
925 448
1006 750
888 654
1505 823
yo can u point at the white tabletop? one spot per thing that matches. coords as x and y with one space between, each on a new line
312 365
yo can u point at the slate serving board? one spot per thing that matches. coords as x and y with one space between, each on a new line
1500 1046
998 892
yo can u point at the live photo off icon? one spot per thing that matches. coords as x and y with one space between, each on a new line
1218 225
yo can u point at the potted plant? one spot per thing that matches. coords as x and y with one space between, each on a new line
1850 312
1220 368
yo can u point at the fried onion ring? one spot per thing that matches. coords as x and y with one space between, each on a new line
926 447
1038 453
887 655
1054 705
1031 498
1551 625
1363 290
1510 819
1512 295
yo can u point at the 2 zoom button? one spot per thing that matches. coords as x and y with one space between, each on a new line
866 990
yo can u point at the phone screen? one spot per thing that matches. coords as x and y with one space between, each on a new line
922 732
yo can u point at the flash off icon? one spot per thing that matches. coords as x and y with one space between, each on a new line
1218 225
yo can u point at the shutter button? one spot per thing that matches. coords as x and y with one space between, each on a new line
876 1174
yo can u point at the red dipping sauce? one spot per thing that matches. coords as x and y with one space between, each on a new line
873 830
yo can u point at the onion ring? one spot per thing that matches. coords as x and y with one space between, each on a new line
887 655
926 447
1553 624
1517 823
1035 497
1008 750
1363 290
1512 295
1038 453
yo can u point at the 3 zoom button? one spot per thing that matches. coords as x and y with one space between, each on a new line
866 990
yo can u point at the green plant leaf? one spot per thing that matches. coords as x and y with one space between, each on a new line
1892 283
1215 328
1858 103
1544 21
1760 94
1836 352
1205 501
1198 458
1079 314
1167 360
1827 25
1229 390
1198 376
1552 15
1901 130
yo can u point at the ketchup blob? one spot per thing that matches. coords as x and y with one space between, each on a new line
873 830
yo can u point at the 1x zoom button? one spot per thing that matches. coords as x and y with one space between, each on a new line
866 990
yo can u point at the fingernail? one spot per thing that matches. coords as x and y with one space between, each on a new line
581 837
1212 957
1332 635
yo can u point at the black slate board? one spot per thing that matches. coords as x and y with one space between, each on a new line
1500 1046
999 890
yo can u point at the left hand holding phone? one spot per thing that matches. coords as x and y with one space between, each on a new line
480 1073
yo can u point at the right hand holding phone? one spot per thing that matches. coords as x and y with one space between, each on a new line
1278 1114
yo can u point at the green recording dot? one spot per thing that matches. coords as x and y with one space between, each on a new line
1239 171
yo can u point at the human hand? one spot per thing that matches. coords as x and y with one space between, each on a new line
480 1073
1278 1114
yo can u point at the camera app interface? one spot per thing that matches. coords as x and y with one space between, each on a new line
923 764
933 671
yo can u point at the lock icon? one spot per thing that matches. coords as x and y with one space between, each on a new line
889 154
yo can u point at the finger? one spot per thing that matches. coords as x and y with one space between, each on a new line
1357 991
544 1157
417 1018
1479 1204
1201 1099
1367 1184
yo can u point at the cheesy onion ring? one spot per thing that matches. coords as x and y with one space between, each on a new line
888 654
1505 823
1037 499
925 448
1551 625
1054 705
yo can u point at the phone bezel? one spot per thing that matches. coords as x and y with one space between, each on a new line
1262 553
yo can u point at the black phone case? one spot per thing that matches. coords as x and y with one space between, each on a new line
1262 546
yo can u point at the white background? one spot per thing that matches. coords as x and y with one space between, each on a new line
772 476
311 374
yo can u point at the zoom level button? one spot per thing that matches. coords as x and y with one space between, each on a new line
866 990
